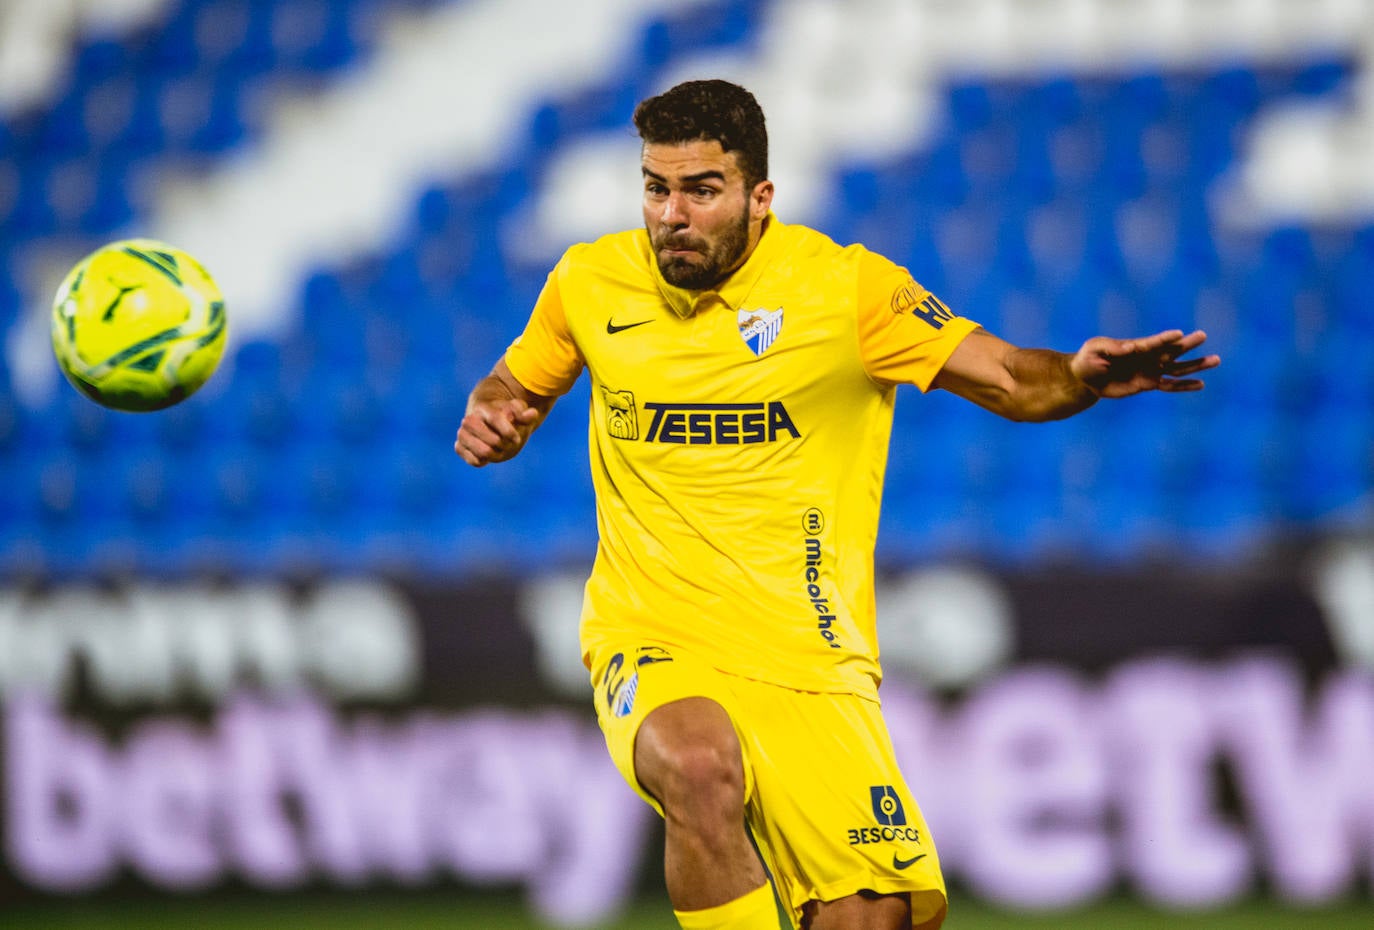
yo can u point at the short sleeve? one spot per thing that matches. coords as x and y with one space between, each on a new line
545 358
905 333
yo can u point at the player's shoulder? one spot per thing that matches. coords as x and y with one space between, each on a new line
813 246
868 263
624 252
800 239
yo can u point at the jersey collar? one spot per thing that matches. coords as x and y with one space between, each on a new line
733 290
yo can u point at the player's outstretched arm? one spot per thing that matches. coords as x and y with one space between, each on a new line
1040 384
500 417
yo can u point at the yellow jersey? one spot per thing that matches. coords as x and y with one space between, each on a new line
738 439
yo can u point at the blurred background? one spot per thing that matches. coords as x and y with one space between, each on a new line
276 657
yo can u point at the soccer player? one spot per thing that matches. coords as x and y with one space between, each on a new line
743 373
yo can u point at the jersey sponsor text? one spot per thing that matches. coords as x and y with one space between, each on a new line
825 618
719 424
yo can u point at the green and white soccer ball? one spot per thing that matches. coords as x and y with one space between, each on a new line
138 325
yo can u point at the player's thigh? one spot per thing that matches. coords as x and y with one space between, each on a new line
632 681
864 911
688 756
830 810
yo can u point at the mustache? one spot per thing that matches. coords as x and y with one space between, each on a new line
670 241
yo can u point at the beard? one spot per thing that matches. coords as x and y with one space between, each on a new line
711 264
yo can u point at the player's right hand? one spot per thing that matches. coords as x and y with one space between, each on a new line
494 430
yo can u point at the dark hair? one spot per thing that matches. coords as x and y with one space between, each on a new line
715 109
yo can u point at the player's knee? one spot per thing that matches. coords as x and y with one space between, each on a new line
698 779
709 771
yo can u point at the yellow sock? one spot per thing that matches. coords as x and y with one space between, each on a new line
754 911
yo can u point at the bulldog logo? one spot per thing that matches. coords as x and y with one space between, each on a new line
622 422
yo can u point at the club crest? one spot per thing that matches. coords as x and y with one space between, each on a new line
759 328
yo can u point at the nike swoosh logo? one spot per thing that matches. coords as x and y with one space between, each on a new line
900 864
612 329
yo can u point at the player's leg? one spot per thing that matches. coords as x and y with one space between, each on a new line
847 846
863 911
688 757
668 723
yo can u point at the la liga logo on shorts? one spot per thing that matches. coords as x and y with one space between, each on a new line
887 807
892 826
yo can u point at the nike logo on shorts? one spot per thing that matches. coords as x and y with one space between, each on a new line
612 329
899 863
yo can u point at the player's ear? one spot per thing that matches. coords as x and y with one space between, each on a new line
761 199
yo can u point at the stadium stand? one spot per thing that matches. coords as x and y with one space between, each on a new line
1049 203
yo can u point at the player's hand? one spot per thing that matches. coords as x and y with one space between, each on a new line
494 430
1122 367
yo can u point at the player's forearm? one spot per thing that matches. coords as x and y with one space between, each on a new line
490 390
501 415
501 385
1045 387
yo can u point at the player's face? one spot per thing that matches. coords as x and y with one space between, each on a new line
702 222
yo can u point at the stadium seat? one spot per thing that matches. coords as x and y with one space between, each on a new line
676 34
223 124
318 35
172 50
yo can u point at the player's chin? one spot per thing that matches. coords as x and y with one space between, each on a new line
693 275
678 263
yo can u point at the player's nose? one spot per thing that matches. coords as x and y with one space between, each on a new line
674 211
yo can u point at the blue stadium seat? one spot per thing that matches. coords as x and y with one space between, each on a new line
253 492
435 210
234 37
22 470
224 124
172 49
1335 463
422 475
938 177
74 494
331 324
187 426
143 135
1320 78
1234 91
61 132
1289 249
1057 100
1122 174
112 206
32 216
10 197
97 58
12 427
970 106
264 415
253 406
318 35
677 33
144 481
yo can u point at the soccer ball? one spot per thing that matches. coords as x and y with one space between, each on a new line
138 325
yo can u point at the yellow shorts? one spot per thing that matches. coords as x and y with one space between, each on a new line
827 806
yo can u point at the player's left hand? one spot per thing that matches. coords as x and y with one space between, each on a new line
1122 367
